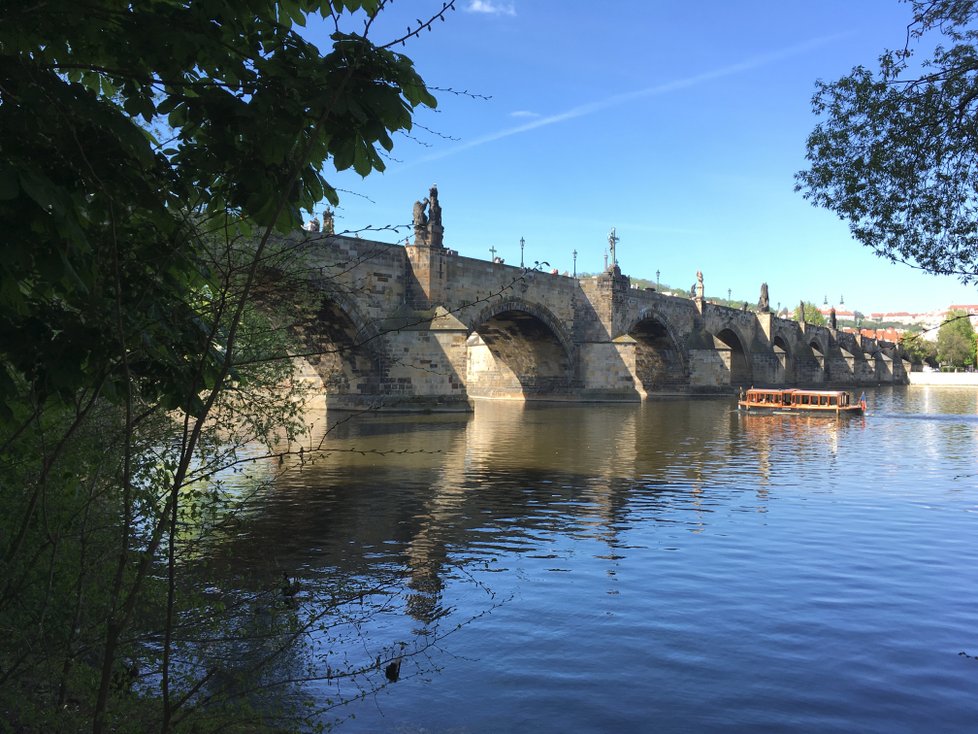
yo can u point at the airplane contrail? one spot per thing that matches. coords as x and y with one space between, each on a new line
618 99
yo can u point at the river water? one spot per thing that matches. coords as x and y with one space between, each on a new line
669 567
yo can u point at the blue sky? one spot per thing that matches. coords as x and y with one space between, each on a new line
681 124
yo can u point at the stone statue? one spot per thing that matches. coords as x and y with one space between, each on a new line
699 284
764 303
328 226
801 311
435 230
420 223
832 321
420 218
313 225
434 208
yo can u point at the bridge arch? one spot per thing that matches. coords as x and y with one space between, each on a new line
345 349
518 349
661 359
729 342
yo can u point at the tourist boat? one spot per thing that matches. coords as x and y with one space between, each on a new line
793 400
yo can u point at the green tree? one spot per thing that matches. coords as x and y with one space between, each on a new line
918 349
896 151
150 152
811 315
956 341
102 213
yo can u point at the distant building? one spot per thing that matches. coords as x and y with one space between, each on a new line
840 314
925 320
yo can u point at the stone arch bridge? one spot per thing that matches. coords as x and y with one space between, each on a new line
417 327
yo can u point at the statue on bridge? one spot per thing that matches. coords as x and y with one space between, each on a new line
420 222
764 303
328 226
435 229
613 240
434 208
832 318
699 284
420 218
428 229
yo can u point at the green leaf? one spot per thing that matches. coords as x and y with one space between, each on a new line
362 160
39 188
9 188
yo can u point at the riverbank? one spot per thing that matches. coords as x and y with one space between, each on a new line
944 379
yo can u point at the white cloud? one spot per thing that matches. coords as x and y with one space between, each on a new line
491 7
524 113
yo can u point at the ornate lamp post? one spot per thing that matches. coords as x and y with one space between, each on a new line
656 281
575 263
522 245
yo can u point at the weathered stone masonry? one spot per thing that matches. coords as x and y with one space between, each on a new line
420 327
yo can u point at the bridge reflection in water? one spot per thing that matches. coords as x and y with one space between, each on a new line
662 562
